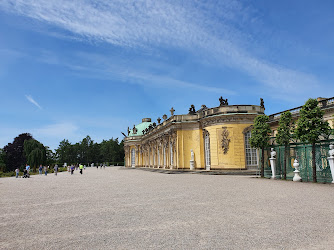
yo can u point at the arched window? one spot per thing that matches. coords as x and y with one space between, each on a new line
251 153
207 150
133 157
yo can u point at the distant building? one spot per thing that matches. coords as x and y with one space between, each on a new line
326 104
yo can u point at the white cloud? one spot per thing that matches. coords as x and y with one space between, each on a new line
59 130
204 28
30 99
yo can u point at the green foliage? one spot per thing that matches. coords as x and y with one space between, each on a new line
2 160
310 125
284 135
14 155
35 153
284 131
87 151
260 134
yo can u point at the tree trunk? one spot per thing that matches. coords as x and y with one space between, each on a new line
284 163
262 163
313 163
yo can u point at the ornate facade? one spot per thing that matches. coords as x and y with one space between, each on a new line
217 136
209 138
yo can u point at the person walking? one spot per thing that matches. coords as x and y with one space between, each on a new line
72 169
28 168
17 171
81 168
55 169
40 169
45 170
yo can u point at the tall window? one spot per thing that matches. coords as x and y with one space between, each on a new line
149 157
207 150
133 157
158 163
164 154
171 154
251 153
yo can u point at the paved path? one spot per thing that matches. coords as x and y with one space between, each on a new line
115 208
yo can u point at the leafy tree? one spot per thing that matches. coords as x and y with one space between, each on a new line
2 161
14 152
65 152
311 126
51 156
87 151
284 135
35 153
260 136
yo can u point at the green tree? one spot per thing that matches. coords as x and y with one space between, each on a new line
35 153
284 135
260 136
2 161
14 152
311 126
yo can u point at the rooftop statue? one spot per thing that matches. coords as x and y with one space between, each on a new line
223 102
262 103
192 110
172 110
134 130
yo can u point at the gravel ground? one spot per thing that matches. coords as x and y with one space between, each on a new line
117 208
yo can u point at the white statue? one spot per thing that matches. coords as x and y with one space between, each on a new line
273 153
192 158
331 150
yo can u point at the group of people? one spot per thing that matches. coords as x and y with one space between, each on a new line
40 169
78 166
70 169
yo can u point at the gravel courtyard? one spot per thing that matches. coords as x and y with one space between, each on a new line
117 208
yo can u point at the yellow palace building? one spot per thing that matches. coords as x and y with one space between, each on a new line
209 138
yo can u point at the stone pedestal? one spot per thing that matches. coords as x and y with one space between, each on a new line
273 163
296 176
192 165
273 167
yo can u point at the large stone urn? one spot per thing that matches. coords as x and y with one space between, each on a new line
331 160
273 163
297 176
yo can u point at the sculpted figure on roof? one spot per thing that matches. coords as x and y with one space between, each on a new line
223 102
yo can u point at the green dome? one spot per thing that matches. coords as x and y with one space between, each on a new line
140 127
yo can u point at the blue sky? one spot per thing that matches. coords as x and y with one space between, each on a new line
74 68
